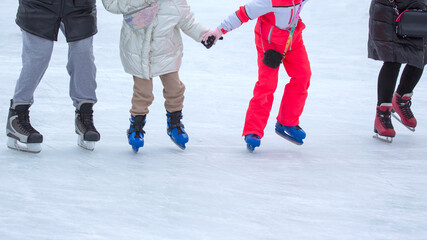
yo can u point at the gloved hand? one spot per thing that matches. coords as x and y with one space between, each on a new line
211 37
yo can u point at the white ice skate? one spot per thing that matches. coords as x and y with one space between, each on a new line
21 135
86 131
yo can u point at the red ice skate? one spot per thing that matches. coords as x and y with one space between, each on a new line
383 128
402 106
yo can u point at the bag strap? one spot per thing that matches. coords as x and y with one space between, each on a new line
400 15
291 33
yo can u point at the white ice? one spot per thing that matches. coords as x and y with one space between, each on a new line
341 184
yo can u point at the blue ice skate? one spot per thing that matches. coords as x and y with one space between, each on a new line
293 134
176 130
252 141
136 133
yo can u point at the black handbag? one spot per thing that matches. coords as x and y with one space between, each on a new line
272 58
412 23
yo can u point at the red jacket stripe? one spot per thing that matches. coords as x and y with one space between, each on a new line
242 15
292 14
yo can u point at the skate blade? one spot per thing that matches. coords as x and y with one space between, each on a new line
289 138
386 139
23 147
180 146
88 145
135 148
250 148
396 116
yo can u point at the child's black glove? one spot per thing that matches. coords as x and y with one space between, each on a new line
210 41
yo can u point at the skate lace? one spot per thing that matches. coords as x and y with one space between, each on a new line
405 107
87 120
385 118
137 127
24 122
174 121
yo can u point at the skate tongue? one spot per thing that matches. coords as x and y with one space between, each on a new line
22 107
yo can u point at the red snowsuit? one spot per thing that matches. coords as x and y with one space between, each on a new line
275 19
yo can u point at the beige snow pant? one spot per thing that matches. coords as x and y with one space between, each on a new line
173 92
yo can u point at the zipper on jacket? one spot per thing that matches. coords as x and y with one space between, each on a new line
292 20
424 50
269 34
61 9
60 15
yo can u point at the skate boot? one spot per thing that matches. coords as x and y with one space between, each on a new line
136 132
383 128
19 129
176 129
402 106
293 134
252 141
86 131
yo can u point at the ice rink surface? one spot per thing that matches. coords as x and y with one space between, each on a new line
341 184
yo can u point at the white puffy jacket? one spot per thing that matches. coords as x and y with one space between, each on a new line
156 49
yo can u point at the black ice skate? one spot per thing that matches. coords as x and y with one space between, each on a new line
87 132
21 135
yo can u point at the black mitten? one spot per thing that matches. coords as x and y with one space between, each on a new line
209 42
272 58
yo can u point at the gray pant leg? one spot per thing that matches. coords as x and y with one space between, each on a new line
82 70
36 54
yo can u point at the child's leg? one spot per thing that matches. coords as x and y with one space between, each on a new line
262 100
173 92
142 96
297 66
36 54
81 67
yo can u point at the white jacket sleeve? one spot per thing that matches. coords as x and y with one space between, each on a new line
116 6
188 23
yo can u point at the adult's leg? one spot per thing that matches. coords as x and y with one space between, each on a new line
82 70
387 81
142 96
410 77
36 54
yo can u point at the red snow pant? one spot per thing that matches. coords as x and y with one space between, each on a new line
297 66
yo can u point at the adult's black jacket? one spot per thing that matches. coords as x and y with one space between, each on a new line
43 18
384 44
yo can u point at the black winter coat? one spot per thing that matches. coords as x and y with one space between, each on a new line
384 44
43 18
